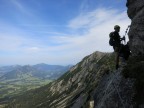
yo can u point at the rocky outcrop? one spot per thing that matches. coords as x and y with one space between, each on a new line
136 33
76 86
135 66
125 87
114 91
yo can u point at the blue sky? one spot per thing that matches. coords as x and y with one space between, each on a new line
57 31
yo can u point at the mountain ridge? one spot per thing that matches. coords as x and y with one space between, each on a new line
79 80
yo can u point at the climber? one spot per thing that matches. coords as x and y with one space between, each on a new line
115 41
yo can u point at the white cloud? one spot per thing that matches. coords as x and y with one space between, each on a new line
94 18
99 24
70 48
33 49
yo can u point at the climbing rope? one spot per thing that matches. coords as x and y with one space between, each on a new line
111 82
120 97
126 32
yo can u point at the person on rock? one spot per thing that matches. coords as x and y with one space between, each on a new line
116 43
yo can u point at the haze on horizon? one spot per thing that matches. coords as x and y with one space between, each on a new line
57 31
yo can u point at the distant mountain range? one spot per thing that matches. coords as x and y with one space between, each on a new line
43 71
6 69
17 79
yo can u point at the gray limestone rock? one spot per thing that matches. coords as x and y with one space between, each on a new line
136 33
114 91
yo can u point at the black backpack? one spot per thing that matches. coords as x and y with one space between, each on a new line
111 40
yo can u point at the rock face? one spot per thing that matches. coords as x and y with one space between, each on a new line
114 91
136 33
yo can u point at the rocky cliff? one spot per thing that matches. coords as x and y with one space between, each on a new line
126 88
136 33
135 67
114 91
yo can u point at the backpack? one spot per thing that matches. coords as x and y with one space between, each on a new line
111 40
